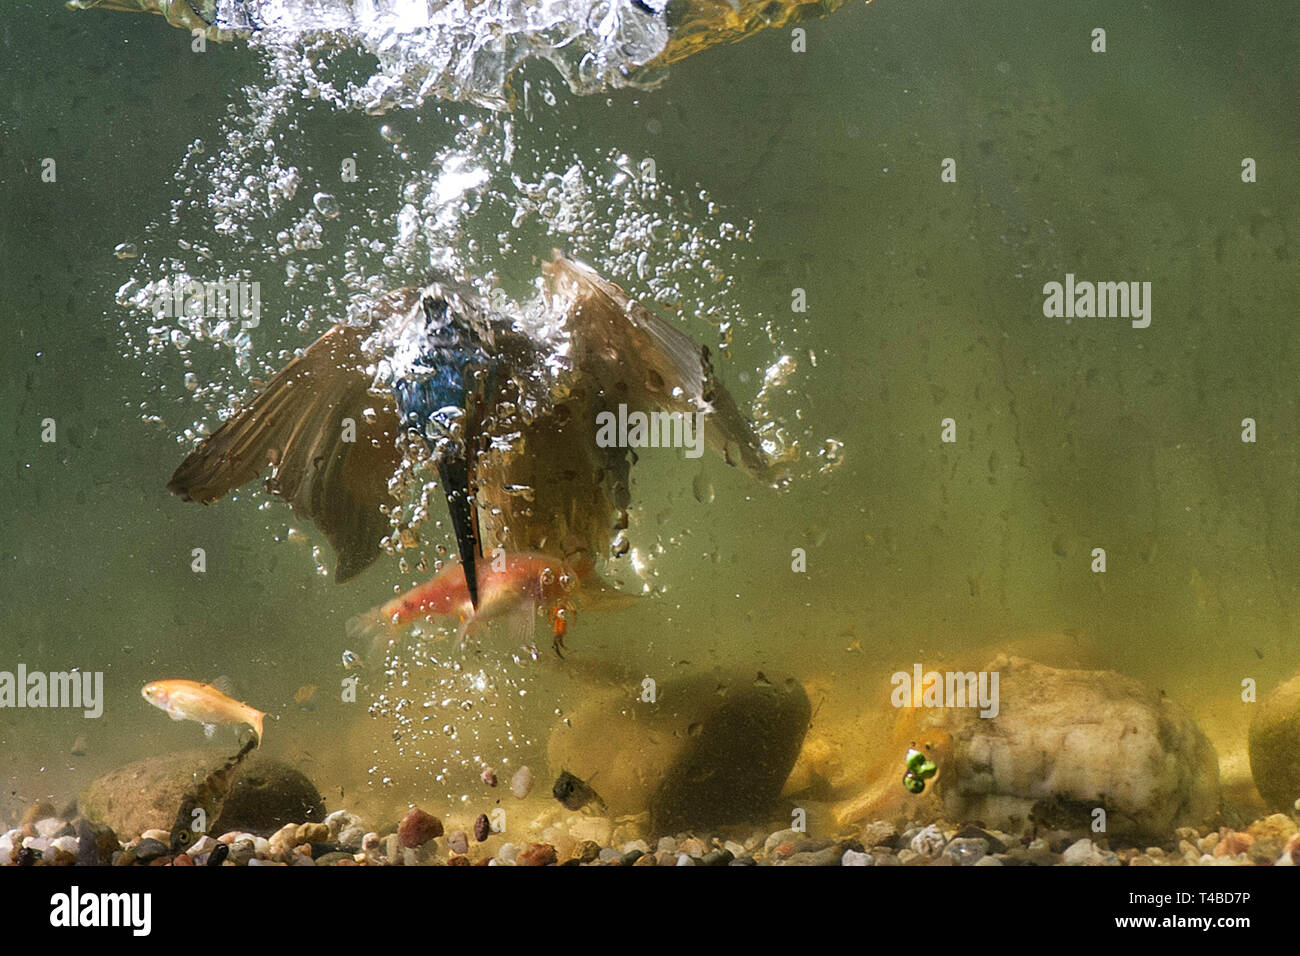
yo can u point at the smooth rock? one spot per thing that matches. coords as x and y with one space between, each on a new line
711 750
1086 853
458 841
1274 741
854 858
264 795
50 827
1067 741
967 851
878 833
536 854
1269 836
96 843
929 842
149 850
521 784
418 828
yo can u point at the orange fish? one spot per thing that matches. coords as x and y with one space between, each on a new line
190 700
509 585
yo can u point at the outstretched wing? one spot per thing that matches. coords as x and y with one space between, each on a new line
636 357
296 425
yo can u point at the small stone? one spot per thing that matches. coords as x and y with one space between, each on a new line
1270 835
1086 853
929 842
68 844
694 847
204 844
521 784
352 836
242 852
458 841
587 851
182 859
1207 843
684 859
905 856
779 837
827 856
392 850
418 828
162 836
967 851
150 849
988 861
340 820
879 833
50 827
537 854
854 858
645 859
1232 842
60 857
482 827
489 776
609 855
717 857
312 833
507 853
667 845
96 843
335 858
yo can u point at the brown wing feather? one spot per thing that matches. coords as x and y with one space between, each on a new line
296 426
638 358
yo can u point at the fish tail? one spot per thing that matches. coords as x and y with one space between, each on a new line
373 629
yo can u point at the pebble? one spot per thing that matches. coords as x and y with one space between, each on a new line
854 858
829 856
312 833
694 847
332 859
507 852
50 827
966 851
988 861
150 849
202 846
67 844
458 841
537 854
182 859
719 857
929 841
162 836
340 820
638 846
879 833
599 829
352 836
482 827
417 828
1086 853
609 855
521 784
779 837
684 859
666 845
489 776
242 852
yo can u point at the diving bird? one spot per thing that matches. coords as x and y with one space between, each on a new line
504 406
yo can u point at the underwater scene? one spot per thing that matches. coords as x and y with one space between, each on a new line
649 433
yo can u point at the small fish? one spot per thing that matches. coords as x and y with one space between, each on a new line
190 700
201 806
508 585
575 793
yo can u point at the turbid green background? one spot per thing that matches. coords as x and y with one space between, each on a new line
924 303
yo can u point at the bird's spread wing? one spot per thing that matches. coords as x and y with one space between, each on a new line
637 358
297 426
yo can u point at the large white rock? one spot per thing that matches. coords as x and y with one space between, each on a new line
1065 742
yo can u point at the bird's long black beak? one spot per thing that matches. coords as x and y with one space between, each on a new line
454 473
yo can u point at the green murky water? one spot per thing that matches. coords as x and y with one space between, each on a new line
774 171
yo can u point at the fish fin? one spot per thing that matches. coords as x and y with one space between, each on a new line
209 730
597 594
638 358
523 622
296 426
223 684
257 727
373 632
175 716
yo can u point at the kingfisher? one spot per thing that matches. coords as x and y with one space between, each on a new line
503 404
